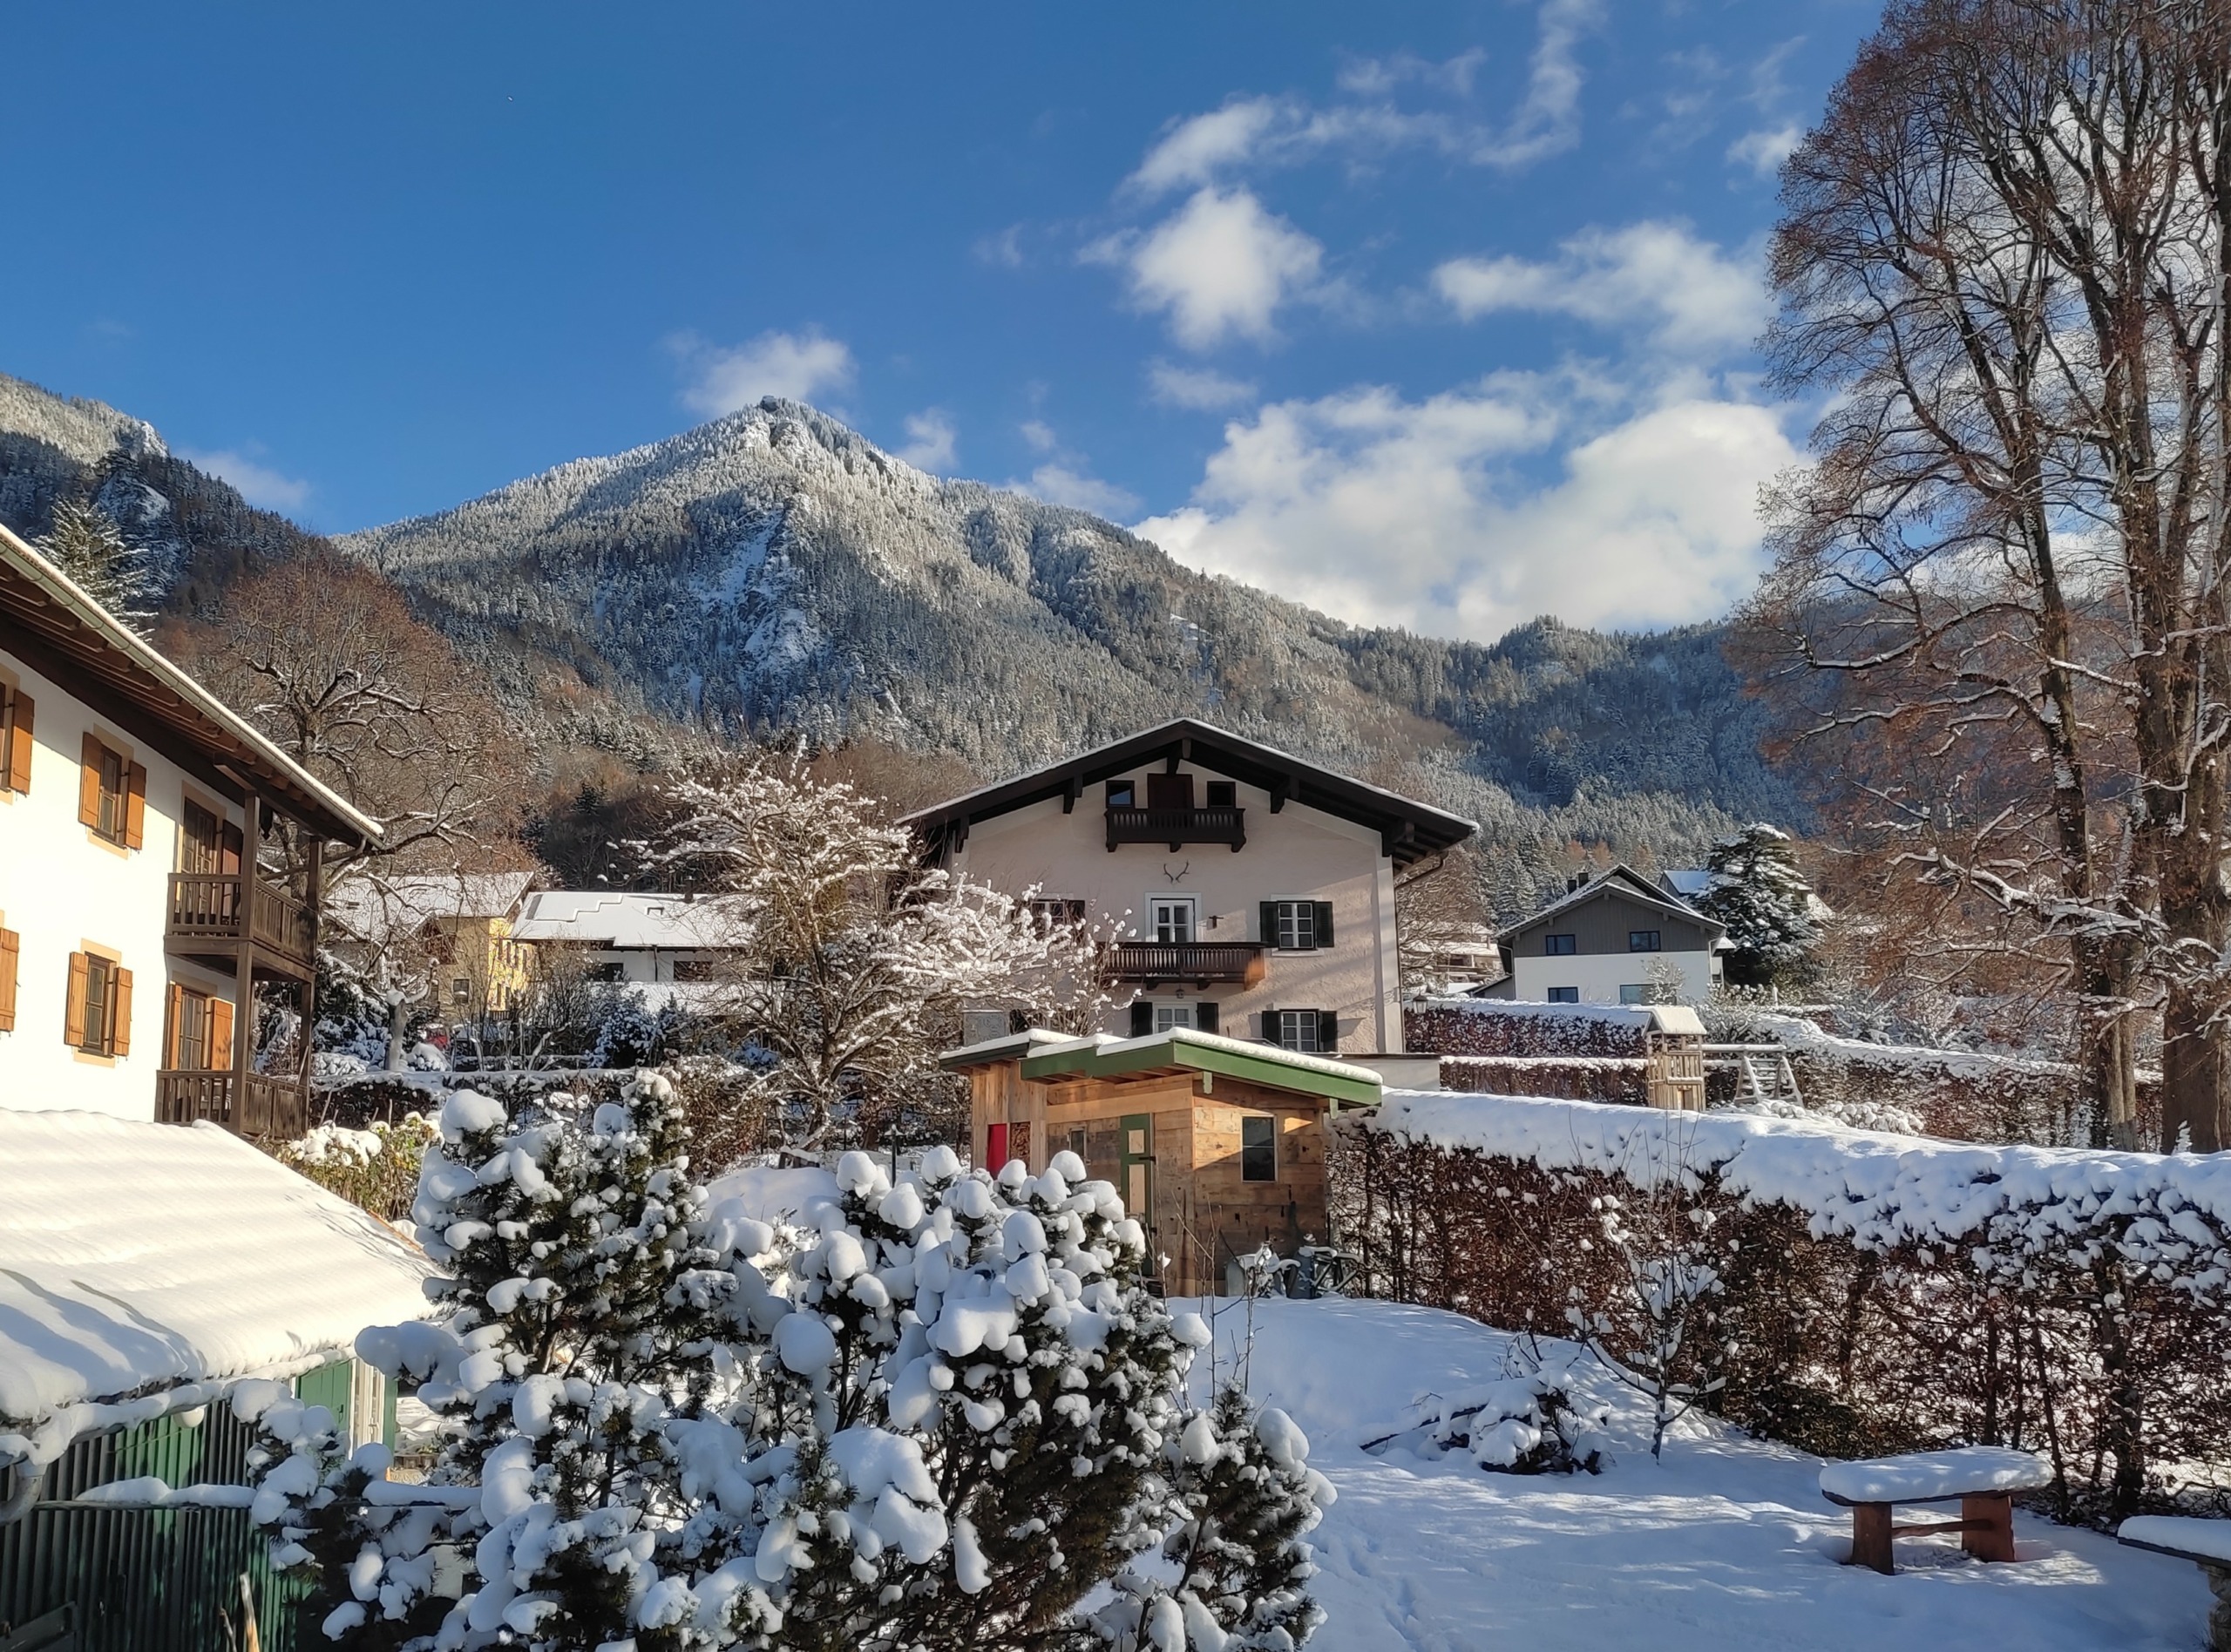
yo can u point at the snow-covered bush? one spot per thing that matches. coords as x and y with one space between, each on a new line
1528 1424
377 1168
938 1415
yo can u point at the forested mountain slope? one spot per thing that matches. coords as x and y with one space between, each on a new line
774 571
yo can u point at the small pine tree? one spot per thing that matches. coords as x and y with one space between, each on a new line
1760 893
85 545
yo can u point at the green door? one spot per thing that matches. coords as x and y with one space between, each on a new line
1137 1185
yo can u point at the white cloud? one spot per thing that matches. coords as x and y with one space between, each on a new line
1381 511
1693 298
1039 434
1060 483
797 367
258 482
1003 250
1548 121
1193 152
1376 77
1197 388
1219 265
1765 150
931 440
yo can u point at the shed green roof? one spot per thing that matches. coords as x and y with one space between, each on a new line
1182 1047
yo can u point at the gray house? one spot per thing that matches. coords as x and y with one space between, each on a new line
1618 938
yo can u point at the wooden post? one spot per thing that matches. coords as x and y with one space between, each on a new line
244 1016
1988 1519
1870 1536
314 897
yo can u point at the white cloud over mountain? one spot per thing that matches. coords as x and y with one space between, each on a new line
1690 298
1220 265
798 366
259 484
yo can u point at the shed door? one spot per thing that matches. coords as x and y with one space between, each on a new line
1137 1162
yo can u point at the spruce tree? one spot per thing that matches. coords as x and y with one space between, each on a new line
1760 893
85 545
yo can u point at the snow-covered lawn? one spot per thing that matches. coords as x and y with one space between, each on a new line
1726 1544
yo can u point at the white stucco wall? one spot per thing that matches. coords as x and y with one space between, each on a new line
1299 853
1600 975
61 889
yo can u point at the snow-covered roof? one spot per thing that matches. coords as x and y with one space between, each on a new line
1652 1018
137 1258
366 905
1689 882
624 920
1626 882
157 700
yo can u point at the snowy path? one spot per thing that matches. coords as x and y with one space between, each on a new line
1726 1545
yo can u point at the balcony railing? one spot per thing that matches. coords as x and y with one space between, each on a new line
1177 827
206 906
1199 963
256 1104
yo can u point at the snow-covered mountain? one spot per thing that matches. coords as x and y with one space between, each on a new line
773 569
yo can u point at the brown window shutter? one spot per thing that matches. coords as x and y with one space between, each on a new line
11 945
1204 1016
1269 917
89 782
120 1043
19 742
228 854
221 1033
173 1022
1328 1031
73 1004
135 806
1142 1017
1323 923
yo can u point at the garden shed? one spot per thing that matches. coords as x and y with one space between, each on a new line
1217 1144
146 1272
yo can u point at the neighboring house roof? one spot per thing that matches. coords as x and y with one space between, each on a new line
1686 882
137 1258
68 636
1628 884
1409 830
627 921
1173 1050
371 906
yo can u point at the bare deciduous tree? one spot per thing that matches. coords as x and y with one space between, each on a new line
2004 254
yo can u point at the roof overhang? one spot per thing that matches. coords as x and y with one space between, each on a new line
64 634
1049 1059
1408 830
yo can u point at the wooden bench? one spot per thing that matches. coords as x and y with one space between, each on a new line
1981 1478
2206 1544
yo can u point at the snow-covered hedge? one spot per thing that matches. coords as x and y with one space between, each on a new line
1507 1027
1874 1293
1577 1078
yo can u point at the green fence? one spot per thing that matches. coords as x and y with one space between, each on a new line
156 1580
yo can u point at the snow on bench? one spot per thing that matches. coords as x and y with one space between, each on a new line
1934 1476
1984 1478
2190 1538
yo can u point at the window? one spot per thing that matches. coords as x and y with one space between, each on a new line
14 738
697 969
461 990
1052 909
200 1038
1642 940
1259 1149
112 795
1222 794
1565 995
1298 926
1559 946
603 969
1122 794
1172 918
1305 1031
96 1011
1169 1015
1635 994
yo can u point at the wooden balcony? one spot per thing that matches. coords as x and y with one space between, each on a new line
1190 963
252 1104
1177 827
214 914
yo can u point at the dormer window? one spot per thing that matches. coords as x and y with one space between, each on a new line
1222 794
1122 794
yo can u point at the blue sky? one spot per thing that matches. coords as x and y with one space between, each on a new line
1434 315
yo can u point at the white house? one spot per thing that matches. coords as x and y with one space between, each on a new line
134 922
1618 938
647 939
1254 891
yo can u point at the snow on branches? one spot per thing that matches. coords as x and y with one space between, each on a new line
939 1415
851 960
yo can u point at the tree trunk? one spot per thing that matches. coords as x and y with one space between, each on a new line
396 1026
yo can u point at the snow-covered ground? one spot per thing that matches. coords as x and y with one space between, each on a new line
1726 1545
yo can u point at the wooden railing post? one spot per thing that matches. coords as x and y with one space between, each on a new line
244 1017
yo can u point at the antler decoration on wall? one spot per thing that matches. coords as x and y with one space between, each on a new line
1177 877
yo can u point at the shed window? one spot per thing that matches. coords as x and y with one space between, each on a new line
1642 940
1559 946
1565 995
1259 1149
